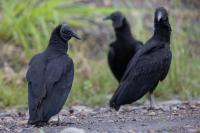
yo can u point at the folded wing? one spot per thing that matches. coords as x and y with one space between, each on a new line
143 74
49 85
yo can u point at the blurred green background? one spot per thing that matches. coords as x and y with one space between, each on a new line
25 27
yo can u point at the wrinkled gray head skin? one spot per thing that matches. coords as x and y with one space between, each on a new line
161 17
117 19
67 32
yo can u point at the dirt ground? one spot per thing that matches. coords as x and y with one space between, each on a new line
173 116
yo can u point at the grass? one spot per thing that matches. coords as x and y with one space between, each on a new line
12 94
93 89
30 22
28 25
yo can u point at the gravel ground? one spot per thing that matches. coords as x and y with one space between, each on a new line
173 116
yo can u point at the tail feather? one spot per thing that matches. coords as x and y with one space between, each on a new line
35 117
118 97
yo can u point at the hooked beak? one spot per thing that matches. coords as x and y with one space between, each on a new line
159 16
75 35
107 18
72 32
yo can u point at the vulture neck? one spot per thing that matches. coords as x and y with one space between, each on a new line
57 44
162 33
123 33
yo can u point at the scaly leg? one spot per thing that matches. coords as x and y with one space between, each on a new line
152 101
58 122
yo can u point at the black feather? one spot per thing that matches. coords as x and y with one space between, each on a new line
50 76
149 66
123 48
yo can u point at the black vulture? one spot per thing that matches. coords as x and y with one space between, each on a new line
149 66
124 47
50 76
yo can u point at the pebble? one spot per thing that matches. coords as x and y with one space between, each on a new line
152 114
22 122
18 130
72 130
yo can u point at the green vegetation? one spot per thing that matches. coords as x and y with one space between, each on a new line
11 94
28 24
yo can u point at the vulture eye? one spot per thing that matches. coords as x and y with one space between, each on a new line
66 32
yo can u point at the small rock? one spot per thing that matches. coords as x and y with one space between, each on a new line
175 113
73 117
174 108
194 130
120 117
71 111
143 111
110 121
23 122
8 119
152 114
18 130
171 102
134 119
166 108
81 110
20 114
151 131
182 107
104 110
143 124
197 103
64 112
72 130
132 131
